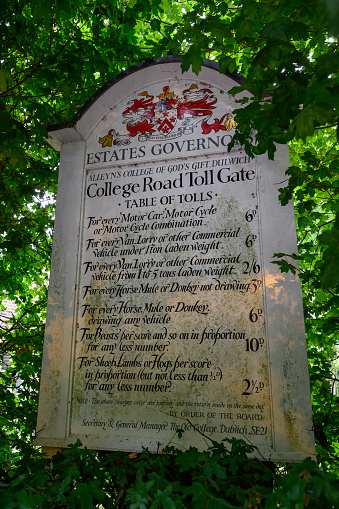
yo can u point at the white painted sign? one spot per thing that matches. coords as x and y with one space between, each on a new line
165 310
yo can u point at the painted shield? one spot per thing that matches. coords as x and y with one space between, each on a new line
165 117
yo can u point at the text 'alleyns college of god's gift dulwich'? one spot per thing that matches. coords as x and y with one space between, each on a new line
165 309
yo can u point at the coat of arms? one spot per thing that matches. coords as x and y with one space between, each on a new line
168 116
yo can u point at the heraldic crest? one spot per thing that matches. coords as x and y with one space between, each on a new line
169 117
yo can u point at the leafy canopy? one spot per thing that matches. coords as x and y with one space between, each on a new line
54 55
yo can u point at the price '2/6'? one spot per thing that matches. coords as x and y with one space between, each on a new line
251 267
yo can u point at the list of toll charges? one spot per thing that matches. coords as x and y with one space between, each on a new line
171 317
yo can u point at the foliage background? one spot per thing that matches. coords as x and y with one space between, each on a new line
54 55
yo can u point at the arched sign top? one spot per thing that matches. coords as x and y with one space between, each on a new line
140 89
131 70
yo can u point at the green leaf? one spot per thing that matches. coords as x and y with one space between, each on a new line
163 499
227 64
212 467
219 31
333 15
304 123
192 58
187 460
5 78
285 266
86 493
27 501
246 28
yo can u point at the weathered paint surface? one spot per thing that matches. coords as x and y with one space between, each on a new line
166 312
